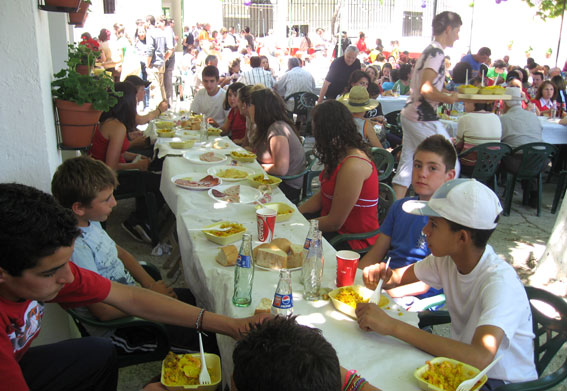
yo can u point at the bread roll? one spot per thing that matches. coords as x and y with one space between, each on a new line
227 255
295 256
271 258
265 306
282 243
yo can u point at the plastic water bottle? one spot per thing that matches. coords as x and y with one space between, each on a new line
314 226
244 274
313 269
283 298
204 131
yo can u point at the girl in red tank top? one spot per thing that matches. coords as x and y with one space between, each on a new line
348 200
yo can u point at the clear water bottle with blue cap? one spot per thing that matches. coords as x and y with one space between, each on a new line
283 298
244 274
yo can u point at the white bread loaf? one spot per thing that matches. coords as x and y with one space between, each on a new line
295 256
227 255
265 306
271 258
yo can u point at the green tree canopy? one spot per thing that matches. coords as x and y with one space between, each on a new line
547 8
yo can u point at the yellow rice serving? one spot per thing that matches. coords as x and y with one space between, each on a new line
234 229
350 297
446 375
181 369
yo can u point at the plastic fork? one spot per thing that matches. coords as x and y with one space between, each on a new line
213 228
204 377
375 298
467 385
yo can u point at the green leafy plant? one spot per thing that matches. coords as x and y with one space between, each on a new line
83 53
549 51
72 86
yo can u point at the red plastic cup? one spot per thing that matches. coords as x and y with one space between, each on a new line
266 219
347 263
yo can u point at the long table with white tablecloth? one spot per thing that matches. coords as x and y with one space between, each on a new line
385 362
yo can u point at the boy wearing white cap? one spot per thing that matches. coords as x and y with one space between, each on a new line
490 312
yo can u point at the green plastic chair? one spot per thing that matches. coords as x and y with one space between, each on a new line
303 103
550 336
307 175
534 157
384 162
488 157
386 197
158 329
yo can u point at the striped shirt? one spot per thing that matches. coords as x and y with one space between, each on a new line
257 76
295 80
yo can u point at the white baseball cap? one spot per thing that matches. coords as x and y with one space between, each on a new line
463 201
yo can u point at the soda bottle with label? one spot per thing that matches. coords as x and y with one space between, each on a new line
314 226
283 298
244 274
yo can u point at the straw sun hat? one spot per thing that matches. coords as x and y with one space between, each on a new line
358 100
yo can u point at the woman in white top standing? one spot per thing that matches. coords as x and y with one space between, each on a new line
419 116
478 126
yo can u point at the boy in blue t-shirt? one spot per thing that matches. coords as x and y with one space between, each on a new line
401 237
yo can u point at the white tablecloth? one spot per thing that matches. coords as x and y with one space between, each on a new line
384 361
390 103
553 132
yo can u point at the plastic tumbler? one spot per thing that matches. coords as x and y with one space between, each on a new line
347 263
266 219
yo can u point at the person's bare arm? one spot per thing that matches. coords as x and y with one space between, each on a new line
116 132
144 119
377 252
428 90
479 353
366 387
312 205
164 309
371 134
392 278
323 91
350 179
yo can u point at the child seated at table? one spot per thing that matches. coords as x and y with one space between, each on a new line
86 187
282 355
401 237
489 308
37 237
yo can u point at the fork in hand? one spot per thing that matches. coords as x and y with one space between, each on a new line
375 298
204 377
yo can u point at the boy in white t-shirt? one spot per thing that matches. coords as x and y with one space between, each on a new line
210 100
490 312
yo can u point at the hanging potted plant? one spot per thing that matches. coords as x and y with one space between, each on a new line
78 18
510 44
548 53
80 100
529 52
60 5
82 57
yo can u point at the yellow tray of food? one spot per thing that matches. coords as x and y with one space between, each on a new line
231 174
258 180
445 374
181 371
245 157
234 234
284 210
167 133
345 298
486 98
493 90
164 125
185 144
214 131
467 89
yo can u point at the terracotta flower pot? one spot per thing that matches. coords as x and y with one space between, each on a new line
61 5
83 69
79 17
77 123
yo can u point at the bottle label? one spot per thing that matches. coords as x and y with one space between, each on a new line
244 261
283 301
307 244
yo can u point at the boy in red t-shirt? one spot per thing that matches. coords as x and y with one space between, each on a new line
37 237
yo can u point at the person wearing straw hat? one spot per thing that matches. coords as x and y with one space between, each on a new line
358 102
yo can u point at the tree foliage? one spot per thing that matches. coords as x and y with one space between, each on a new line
547 8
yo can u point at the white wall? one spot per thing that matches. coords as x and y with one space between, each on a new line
28 152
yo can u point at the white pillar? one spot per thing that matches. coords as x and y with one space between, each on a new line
28 152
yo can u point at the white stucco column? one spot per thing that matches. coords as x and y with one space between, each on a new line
28 152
